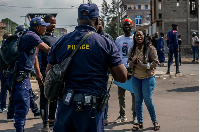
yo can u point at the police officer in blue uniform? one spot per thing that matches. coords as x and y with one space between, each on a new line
33 105
21 92
3 78
173 48
86 79
161 49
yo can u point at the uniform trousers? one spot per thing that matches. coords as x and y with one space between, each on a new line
70 120
21 100
161 56
173 51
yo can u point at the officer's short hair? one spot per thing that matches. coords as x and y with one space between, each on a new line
48 17
162 34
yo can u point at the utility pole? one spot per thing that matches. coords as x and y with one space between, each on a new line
25 20
118 17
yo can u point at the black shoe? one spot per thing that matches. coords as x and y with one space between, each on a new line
45 128
178 72
167 72
134 117
10 118
51 125
37 115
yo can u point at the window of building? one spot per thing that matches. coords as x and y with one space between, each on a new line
146 7
160 15
192 7
138 19
159 6
139 6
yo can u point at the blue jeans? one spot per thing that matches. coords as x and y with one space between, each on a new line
3 91
195 53
70 120
143 90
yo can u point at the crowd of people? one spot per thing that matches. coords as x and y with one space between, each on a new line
133 54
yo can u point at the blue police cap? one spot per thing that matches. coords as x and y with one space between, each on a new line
36 21
92 9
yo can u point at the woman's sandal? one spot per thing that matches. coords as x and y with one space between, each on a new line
156 126
137 126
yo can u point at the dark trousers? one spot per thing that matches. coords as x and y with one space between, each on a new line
172 51
33 106
161 56
44 105
21 101
70 120
3 91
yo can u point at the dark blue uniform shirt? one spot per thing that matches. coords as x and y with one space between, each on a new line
172 36
87 72
29 41
42 56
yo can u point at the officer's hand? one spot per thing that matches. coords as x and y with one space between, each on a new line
39 78
160 49
177 49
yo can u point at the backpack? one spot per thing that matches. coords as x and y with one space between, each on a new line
3 65
10 48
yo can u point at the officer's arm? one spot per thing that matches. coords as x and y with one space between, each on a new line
39 76
48 67
44 47
176 39
119 73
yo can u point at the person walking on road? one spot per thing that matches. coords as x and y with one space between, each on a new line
124 43
143 60
173 48
195 46
161 49
86 79
47 109
180 44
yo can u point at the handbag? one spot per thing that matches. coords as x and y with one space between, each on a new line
53 84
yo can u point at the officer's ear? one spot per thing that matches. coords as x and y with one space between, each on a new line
97 21
38 27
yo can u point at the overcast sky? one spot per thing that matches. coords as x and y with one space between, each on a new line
67 12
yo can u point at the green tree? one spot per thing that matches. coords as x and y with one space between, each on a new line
10 25
110 14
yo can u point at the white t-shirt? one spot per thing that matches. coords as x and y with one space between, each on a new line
124 44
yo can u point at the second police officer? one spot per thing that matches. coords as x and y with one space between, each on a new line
173 48
21 93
